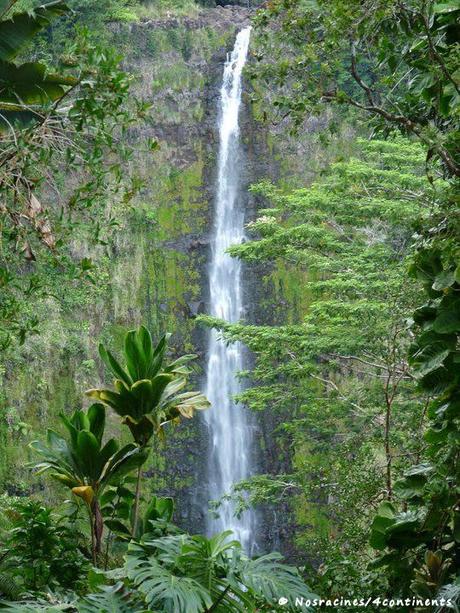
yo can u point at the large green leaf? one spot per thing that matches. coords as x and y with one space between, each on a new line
158 357
80 420
57 443
174 386
144 342
189 402
29 84
159 508
73 431
433 363
112 399
448 318
109 450
66 480
20 28
142 391
111 599
165 590
161 384
111 363
268 578
96 417
414 481
123 462
178 366
141 429
383 519
88 453
134 358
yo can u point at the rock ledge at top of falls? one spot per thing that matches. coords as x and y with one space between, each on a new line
226 17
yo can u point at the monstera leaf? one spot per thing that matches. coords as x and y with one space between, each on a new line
113 599
193 573
267 577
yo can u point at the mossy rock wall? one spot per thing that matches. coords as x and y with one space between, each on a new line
155 272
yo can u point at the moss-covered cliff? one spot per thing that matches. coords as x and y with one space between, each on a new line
155 271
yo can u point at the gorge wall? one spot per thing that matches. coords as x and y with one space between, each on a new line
155 272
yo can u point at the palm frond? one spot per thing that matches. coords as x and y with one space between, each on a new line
451 594
8 587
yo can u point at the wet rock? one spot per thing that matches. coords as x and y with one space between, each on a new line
195 308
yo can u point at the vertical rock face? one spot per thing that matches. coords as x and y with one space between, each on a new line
183 83
181 62
156 273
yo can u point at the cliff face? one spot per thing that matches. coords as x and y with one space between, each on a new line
156 272
183 82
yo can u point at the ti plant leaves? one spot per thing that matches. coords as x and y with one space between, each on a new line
148 393
86 465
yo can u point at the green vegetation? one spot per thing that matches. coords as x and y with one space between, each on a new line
83 135
338 377
363 378
106 164
86 465
164 567
146 392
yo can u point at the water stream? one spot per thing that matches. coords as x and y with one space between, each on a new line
230 429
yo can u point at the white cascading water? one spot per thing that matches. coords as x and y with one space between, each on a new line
229 427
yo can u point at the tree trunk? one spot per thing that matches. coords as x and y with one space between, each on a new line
388 455
137 501
98 524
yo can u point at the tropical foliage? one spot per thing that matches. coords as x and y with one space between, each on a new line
194 574
146 391
353 304
338 375
397 63
164 568
74 116
40 550
27 85
86 465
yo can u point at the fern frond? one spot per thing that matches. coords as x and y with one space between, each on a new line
8 587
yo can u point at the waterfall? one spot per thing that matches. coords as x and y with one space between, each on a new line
230 430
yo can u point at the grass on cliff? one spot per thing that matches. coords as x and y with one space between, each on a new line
155 9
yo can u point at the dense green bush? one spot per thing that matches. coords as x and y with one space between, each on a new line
43 549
